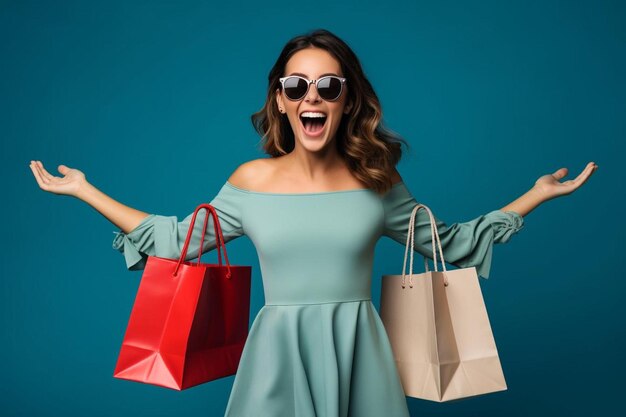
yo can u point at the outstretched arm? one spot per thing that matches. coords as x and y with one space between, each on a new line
74 183
464 244
548 187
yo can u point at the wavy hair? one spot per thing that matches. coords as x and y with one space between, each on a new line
370 150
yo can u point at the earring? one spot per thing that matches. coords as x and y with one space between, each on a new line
280 109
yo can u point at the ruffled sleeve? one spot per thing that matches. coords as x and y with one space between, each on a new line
464 244
164 236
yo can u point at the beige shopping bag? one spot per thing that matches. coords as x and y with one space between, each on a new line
439 330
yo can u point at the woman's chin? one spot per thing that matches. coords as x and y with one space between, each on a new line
313 143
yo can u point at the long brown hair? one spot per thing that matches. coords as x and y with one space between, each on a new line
370 150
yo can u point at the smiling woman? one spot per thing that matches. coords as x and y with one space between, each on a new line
318 98
315 210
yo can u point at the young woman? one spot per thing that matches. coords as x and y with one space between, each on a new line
314 211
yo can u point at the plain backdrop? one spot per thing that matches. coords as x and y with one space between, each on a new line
152 100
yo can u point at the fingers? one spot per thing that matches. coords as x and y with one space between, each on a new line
586 172
40 180
38 169
43 171
584 175
63 169
46 181
46 177
560 173
591 166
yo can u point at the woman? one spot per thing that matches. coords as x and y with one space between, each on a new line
314 212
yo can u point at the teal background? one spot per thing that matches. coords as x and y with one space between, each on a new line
152 100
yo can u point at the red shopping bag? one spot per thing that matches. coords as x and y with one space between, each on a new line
189 322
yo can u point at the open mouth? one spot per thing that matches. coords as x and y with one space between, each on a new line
313 122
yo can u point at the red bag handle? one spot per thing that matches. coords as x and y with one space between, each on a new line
219 237
216 224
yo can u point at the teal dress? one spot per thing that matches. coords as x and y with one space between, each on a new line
318 347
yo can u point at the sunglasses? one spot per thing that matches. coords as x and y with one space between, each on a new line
329 87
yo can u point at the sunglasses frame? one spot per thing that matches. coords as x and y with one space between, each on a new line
308 86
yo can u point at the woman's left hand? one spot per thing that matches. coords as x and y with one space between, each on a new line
550 187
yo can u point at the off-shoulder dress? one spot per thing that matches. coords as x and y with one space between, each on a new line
317 347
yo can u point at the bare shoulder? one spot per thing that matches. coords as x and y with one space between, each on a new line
248 174
395 176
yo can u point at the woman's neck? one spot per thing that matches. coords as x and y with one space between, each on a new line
314 166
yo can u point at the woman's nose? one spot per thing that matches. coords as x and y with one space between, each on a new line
311 95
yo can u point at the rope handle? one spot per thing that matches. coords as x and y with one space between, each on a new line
219 238
410 240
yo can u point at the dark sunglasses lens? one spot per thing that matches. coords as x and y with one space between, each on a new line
329 88
295 88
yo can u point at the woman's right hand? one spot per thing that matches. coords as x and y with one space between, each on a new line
71 182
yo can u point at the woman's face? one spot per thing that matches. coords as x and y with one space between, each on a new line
313 63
